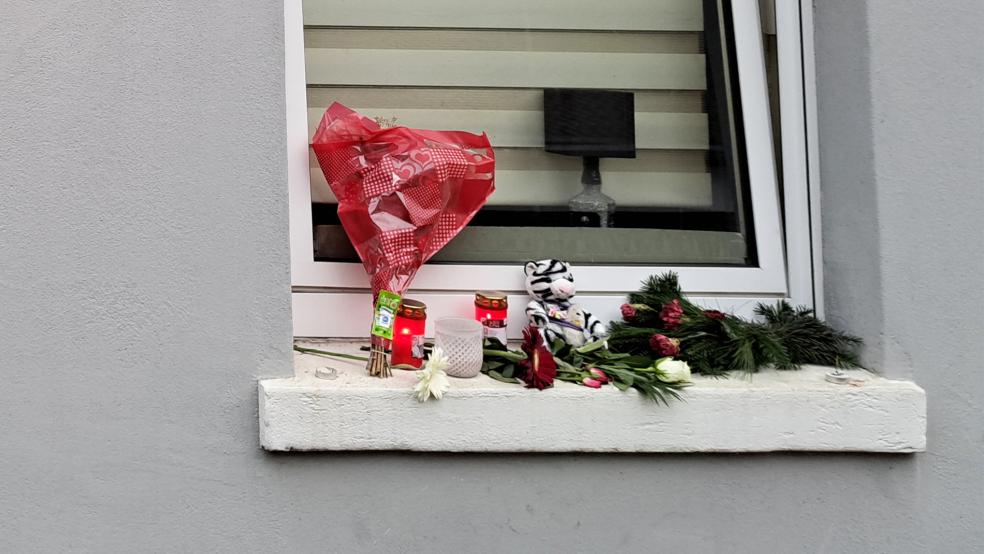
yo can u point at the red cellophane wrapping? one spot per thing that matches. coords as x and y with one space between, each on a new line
402 193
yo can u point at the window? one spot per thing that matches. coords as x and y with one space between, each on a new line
700 197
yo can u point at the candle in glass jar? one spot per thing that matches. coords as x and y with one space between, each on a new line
408 334
491 309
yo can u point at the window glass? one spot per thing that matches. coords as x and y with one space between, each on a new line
637 98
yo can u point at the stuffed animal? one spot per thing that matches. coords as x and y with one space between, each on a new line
551 284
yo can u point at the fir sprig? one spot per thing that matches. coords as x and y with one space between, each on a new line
785 338
809 340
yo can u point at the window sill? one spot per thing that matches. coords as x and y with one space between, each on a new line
771 411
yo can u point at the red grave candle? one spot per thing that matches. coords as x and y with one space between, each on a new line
408 334
491 309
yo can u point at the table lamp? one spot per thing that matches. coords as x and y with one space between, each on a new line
592 124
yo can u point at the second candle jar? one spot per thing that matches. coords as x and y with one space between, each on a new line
491 308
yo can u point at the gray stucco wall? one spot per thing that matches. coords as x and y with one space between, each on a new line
901 96
144 289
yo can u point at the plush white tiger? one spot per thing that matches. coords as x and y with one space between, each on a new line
551 284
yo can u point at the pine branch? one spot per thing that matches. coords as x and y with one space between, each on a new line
786 338
809 340
623 337
663 289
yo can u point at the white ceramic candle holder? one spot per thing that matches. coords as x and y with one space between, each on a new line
461 340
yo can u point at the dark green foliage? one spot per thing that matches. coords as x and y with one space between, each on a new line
807 339
623 337
786 338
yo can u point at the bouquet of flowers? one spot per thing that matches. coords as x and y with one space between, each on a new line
659 321
592 365
402 195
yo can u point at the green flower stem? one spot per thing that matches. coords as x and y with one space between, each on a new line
561 364
504 354
325 353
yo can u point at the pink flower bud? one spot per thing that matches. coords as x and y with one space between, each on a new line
598 374
593 383
628 312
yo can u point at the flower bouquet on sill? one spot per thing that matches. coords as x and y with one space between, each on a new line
592 365
402 195
658 321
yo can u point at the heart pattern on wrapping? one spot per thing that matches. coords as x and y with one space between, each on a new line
406 169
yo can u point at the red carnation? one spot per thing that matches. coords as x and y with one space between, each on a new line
541 368
714 314
671 314
628 312
664 345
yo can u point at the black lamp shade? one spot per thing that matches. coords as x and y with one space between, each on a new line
589 122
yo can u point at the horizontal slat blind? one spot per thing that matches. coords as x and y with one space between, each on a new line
669 15
449 65
511 129
505 41
471 68
678 176
484 99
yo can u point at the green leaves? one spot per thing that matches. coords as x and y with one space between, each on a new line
500 377
646 381
500 370
591 347
508 355
786 338
624 370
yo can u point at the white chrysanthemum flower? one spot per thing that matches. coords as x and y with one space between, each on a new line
433 381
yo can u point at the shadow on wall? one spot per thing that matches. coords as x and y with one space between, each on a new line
848 175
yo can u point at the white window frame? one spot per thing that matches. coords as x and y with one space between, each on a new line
321 290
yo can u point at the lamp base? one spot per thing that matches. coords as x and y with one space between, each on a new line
592 208
591 204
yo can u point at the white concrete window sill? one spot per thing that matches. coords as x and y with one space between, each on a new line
769 411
